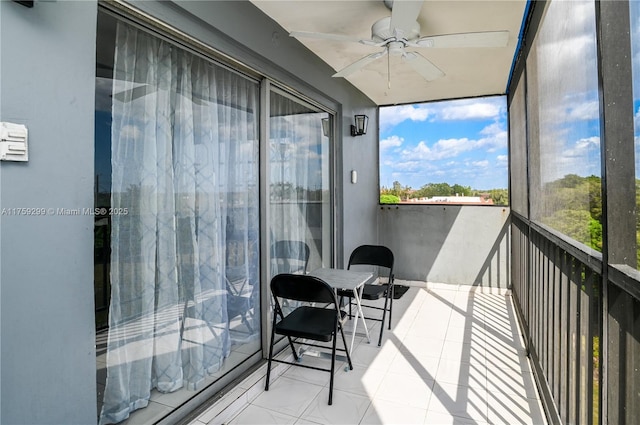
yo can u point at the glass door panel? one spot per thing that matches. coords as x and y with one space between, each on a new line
177 241
299 186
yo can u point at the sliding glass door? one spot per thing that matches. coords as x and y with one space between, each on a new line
177 191
299 186
178 216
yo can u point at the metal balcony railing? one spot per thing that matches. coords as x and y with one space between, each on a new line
558 293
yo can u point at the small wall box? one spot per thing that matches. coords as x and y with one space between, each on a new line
13 142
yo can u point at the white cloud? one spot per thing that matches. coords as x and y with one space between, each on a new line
470 110
493 129
588 143
497 137
445 148
391 142
582 157
584 111
450 148
456 110
480 164
407 166
420 151
393 115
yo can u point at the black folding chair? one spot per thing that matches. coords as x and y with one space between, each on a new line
373 255
319 322
290 256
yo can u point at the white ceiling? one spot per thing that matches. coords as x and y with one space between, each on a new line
468 71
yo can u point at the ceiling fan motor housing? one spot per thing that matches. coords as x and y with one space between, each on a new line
396 48
381 31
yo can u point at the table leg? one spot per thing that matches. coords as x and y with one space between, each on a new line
359 312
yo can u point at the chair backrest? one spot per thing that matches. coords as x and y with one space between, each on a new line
291 256
374 255
299 287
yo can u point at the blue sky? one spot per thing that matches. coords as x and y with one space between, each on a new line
635 45
457 142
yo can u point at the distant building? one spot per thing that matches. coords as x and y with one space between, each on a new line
483 199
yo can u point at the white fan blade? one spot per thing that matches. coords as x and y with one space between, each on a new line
404 13
423 66
359 64
469 39
324 36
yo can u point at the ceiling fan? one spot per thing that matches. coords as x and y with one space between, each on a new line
401 30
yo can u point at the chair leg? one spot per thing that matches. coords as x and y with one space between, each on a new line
273 337
384 314
333 363
245 321
182 324
393 290
346 349
293 349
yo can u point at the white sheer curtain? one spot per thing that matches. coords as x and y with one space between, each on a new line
184 168
299 158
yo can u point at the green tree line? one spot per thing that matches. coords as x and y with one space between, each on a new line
397 192
571 205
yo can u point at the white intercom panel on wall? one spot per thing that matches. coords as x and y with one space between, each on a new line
13 142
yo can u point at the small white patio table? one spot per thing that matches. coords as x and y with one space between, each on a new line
347 280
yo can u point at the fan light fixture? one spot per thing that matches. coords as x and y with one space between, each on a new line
361 125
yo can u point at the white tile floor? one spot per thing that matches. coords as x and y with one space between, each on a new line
453 356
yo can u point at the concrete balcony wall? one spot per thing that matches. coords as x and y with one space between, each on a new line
458 245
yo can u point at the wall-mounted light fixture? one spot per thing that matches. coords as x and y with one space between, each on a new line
325 127
26 3
361 125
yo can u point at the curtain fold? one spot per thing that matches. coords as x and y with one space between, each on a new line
184 148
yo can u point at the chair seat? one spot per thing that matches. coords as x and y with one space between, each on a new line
310 323
374 292
369 291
